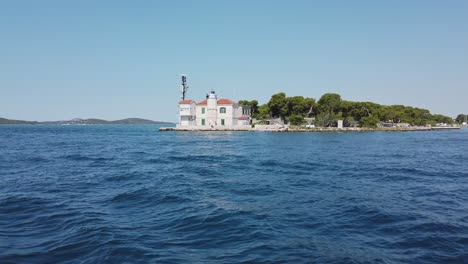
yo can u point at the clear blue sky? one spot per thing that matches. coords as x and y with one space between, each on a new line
118 59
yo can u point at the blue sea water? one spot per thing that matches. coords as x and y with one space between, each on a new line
132 194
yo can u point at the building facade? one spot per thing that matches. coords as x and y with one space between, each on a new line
187 112
213 113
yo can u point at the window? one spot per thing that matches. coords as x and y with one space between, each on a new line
222 110
203 110
203 120
222 122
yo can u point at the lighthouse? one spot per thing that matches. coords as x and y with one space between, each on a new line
212 109
211 113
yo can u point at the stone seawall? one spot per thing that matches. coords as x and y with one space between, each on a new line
265 128
359 129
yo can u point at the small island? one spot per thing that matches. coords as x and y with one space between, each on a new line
302 114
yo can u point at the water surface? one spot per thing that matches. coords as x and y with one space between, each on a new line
131 194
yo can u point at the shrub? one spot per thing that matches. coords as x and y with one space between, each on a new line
370 121
296 120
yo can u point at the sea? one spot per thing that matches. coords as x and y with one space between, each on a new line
132 194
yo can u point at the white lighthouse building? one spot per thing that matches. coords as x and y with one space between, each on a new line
213 113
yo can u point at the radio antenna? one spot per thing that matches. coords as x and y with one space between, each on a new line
184 86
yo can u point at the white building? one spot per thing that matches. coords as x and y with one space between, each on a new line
187 113
213 113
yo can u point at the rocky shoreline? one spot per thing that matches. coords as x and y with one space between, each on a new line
315 129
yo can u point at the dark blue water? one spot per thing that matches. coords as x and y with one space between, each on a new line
131 194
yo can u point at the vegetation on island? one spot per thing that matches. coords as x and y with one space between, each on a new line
461 118
4 121
331 107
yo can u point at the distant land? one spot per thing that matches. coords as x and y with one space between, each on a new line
90 121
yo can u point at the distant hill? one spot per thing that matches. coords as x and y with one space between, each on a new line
90 121
139 121
4 121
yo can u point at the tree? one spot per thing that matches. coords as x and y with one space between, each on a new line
442 119
357 110
460 118
253 105
297 105
349 121
329 102
278 105
330 107
310 105
296 120
387 114
322 119
263 112
370 121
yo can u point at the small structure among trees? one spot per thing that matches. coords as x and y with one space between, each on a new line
330 108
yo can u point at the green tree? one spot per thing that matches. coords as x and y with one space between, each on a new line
297 105
278 105
296 120
387 114
359 110
330 107
310 106
328 103
349 121
243 102
263 112
460 118
370 121
253 105
442 119
322 119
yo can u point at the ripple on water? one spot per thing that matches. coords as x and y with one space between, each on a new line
129 194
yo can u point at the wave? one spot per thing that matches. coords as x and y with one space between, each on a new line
134 195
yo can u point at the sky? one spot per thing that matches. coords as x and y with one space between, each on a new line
117 59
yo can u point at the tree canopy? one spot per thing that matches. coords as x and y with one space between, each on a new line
253 105
330 107
329 102
460 118
296 120
278 105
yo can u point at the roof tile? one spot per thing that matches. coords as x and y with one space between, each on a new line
205 102
225 102
186 102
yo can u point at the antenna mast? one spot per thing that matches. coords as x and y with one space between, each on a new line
184 86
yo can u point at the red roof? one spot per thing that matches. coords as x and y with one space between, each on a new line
225 102
203 103
220 102
186 102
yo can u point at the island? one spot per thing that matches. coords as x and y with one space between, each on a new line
299 113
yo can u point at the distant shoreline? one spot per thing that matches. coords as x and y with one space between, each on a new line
89 121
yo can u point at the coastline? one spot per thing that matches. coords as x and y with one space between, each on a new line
305 130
